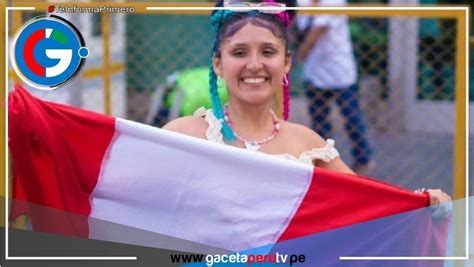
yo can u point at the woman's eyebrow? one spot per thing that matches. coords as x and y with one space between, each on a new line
247 45
270 44
239 45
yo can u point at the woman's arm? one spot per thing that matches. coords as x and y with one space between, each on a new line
314 140
437 196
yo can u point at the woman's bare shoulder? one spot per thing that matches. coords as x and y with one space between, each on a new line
188 125
306 136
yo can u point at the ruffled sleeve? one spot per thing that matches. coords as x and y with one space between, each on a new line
213 132
326 153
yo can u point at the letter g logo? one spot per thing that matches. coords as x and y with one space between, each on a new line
48 52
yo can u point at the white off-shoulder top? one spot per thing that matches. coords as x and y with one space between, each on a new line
213 133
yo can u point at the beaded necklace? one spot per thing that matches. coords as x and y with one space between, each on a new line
254 145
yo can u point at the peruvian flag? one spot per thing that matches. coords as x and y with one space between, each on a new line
120 171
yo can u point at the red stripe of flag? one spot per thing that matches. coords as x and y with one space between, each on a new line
335 200
66 146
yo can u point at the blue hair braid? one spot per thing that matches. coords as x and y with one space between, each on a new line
217 106
216 20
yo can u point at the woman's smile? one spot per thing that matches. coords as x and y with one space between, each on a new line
254 82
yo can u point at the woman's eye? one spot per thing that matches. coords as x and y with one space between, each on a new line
238 53
268 52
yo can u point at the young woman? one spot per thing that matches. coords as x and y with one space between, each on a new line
251 56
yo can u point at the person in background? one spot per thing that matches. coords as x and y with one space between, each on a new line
330 73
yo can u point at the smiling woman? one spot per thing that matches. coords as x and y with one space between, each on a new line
253 62
251 56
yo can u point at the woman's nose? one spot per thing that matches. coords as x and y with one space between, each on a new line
254 63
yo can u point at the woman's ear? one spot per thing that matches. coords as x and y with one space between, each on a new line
216 65
287 63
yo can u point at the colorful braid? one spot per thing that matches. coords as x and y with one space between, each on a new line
217 106
286 20
226 131
286 98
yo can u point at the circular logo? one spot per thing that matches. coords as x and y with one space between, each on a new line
48 52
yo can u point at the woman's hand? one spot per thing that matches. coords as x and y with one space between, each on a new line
440 203
437 196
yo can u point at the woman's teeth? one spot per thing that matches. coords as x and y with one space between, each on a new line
254 80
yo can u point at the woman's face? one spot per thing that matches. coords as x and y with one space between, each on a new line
252 62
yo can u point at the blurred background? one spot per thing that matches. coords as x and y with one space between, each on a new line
150 67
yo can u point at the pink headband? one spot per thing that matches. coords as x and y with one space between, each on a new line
282 16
